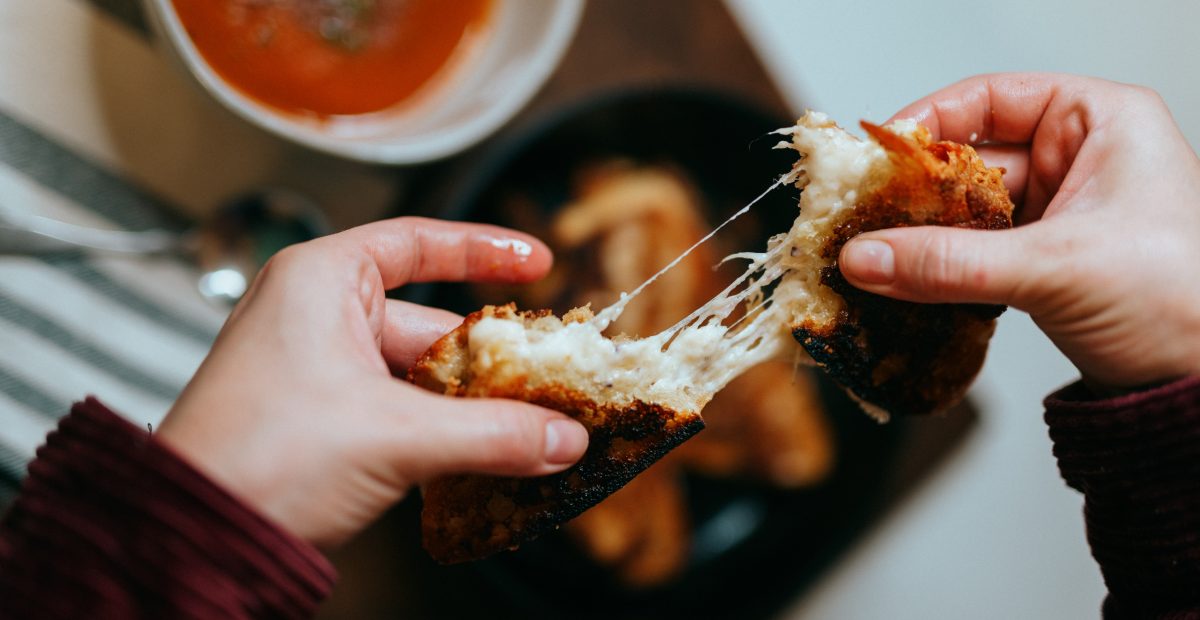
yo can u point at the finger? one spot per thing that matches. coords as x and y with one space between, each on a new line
1004 107
412 249
940 264
1051 113
441 435
409 329
1015 161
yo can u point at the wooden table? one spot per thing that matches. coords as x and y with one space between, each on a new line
622 45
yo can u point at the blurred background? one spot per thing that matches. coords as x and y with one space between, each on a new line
112 118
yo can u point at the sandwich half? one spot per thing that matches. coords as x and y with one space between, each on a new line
641 397
891 356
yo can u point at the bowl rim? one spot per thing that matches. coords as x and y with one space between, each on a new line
555 39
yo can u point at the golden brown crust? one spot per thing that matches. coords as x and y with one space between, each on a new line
903 357
468 517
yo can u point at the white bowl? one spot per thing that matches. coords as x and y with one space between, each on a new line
525 42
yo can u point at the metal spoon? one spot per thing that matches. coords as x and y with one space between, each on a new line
229 248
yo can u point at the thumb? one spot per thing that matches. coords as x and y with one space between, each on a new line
441 435
933 264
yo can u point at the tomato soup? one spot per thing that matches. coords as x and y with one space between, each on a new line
332 57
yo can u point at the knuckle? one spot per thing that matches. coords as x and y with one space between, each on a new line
950 266
940 265
518 437
319 258
284 261
1057 262
1144 97
1147 94
974 273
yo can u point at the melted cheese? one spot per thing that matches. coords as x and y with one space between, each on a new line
684 366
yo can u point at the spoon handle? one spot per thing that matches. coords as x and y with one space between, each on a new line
25 233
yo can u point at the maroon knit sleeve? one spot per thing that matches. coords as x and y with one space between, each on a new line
112 524
1136 459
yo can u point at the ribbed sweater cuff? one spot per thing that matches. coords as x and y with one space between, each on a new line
1136 458
111 523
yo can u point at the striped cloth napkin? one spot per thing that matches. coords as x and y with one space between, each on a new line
99 129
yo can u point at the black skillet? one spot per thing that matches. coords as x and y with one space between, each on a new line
755 548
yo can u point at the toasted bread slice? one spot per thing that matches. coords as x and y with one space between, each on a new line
468 517
892 356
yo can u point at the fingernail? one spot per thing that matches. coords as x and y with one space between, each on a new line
869 261
565 441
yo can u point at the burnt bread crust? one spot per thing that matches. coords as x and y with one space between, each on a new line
896 356
467 517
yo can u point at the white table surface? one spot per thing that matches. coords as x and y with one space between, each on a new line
995 533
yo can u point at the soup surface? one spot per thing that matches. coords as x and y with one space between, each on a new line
332 57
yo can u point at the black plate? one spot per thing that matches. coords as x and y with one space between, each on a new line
755 547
